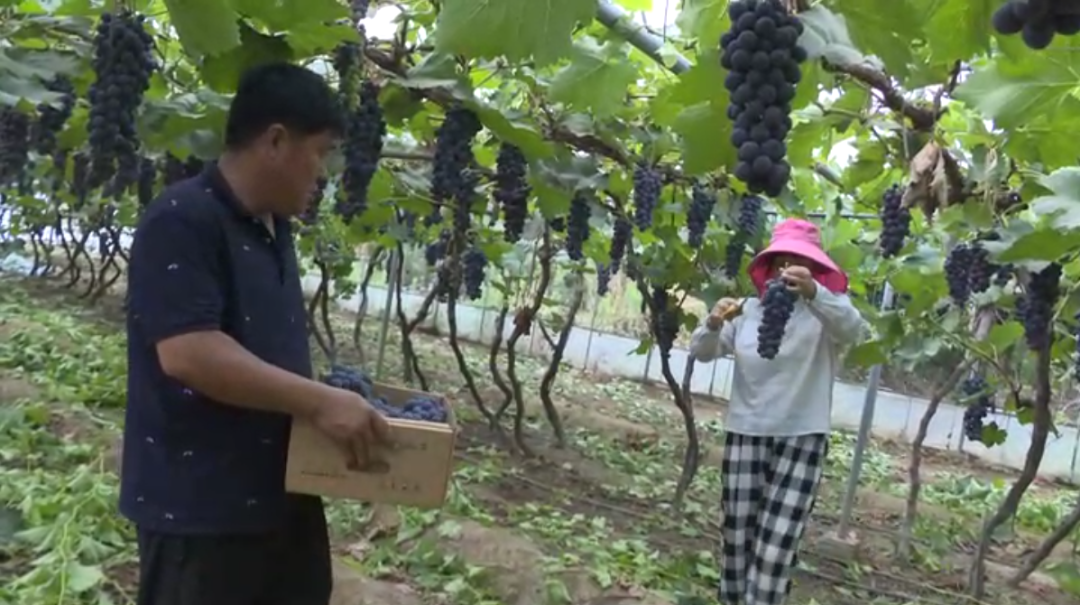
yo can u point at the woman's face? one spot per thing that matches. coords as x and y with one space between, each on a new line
780 261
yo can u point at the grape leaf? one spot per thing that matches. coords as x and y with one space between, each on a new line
885 29
1003 336
81 578
1067 575
596 79
956 29
1012 92
826 36
1044 244
636 5
286 15
519 30
705 20
705 130
205 27
311 39
1065 182
222 72
993 435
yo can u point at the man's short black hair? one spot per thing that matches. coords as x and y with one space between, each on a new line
286 94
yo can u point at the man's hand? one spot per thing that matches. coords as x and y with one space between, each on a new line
725 309
355 426
801 281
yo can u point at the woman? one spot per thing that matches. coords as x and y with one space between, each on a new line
778 420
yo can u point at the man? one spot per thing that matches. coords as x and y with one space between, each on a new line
219 365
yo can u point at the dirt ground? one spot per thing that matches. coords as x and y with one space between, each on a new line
571 481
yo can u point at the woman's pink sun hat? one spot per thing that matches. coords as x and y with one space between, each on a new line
799 238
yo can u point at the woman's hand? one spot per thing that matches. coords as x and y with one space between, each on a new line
801 281
725 309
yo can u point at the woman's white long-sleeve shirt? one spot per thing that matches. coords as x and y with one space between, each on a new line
792 394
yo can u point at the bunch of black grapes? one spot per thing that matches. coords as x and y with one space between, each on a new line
473 261
1035 306
895 222
80 179
59 159
702 202
425 408
358 9
621 237
969 270
577 225
512 190
1002 274
363 146
762 57
647 185
1037 21
957 264
147 179
436 251
175 170
981 270
976 392
346 64
123 63
664 319
52 117
310 215
746 227
453 162
777 305
603 281
14 145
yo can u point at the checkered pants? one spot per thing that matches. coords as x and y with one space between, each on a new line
770 484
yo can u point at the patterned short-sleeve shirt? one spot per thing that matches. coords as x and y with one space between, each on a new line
199 261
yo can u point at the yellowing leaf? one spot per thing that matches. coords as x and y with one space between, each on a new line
519 30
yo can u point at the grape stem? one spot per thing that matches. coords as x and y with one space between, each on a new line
1040 430
903 545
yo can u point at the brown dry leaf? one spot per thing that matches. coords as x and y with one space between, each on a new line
920 191
939 184
384 521
924 162
955 179
358 550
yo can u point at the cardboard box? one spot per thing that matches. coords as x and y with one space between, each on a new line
417 472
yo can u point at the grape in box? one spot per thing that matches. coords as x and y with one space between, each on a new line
415 472
422 408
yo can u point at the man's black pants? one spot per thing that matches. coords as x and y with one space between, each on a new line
287 567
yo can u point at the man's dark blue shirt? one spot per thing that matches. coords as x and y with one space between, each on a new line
201 262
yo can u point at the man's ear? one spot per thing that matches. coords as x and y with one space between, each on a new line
276 136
